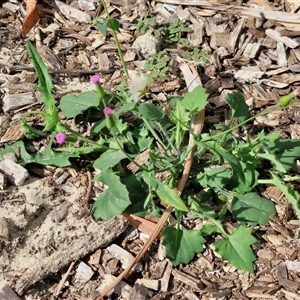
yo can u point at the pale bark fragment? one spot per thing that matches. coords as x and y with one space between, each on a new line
235 35
15 173
11 102
285 40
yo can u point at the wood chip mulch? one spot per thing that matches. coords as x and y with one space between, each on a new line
254 49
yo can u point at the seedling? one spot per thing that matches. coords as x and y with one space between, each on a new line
196 55
145 23
174 33
157 64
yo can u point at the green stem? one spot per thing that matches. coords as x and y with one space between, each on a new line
82 138
154 133
116 41
132 160
271 181
167 138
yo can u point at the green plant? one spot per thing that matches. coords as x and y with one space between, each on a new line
157 65
230 177
173 33
145 23
196 55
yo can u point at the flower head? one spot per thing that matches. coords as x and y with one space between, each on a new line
95 79
107 111
297 91
60 138
138 85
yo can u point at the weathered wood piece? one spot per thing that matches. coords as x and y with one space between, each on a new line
11 102
6 293
15 173
283 39
84 272
258 13
124 256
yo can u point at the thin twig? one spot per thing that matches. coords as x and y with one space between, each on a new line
63 280
17 68
89 189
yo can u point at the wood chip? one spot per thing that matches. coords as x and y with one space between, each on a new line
166 277
293 265
6 293
285 40
11 102
124 256
149 283
84 272
187 279
14 172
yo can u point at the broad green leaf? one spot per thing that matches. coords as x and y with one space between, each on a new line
114 200
166 194
251 179
216 177
208 229
225 155
144 143
195 100
286 152
48 157
138 196
236 249
103 24
151 112
182 245
113 24
252 209
74 105
109 159
272 158
292 196
240 109
125 107
45 86
180 116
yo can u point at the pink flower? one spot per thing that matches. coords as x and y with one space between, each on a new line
60 138
107 111
285 100
297 91
95 79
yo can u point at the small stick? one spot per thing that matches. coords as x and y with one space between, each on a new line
63 280
18 68
89 189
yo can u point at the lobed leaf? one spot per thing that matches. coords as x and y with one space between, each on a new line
195 100
252 209
109 159
114 200
240 110
182 245
45 86
74 105
236 249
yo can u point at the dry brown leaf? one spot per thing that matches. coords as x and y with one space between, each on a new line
32 16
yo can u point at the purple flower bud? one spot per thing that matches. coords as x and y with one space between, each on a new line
107 111
95 79
60 138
